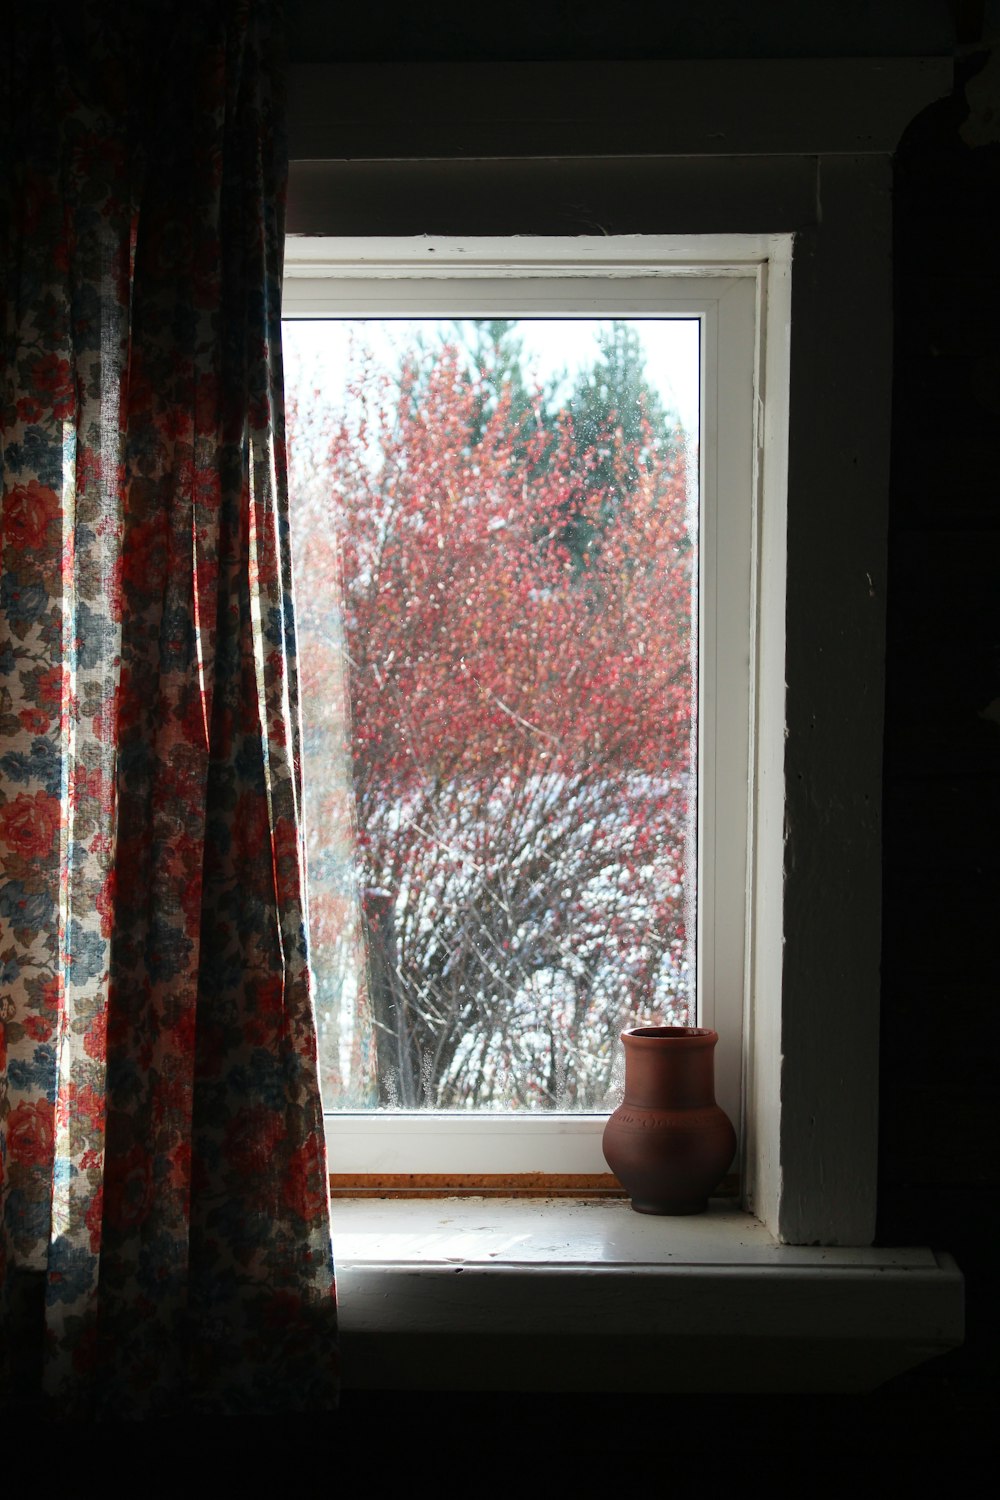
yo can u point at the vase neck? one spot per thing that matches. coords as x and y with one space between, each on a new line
667 1075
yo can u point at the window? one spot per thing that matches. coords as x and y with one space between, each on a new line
685 149
717 155
718 289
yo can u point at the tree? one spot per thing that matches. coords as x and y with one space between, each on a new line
496 355
621 425
521 743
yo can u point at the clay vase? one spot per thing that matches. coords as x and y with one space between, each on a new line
668 1142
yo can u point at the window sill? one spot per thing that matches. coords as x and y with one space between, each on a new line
514 1294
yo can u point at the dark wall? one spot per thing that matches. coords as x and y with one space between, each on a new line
938 1151
941 860
566 30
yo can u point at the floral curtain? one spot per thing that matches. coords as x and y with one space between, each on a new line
160 1128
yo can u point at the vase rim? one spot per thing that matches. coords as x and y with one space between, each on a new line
695 1035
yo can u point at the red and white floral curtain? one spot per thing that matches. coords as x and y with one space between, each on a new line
160 1127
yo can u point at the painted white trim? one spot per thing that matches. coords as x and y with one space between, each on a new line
525 291
395 256
384 1141
726 669
765 853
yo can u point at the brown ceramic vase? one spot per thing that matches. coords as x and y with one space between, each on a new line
668 1142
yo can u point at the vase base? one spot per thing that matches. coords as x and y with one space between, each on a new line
670 1205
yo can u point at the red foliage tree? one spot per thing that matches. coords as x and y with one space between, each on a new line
521 730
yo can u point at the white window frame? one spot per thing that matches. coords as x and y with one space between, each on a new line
737 287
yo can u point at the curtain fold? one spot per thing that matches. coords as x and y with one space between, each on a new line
160 1124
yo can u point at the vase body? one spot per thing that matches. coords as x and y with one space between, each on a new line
668 1142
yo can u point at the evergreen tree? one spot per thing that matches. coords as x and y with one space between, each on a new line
622 425
496 353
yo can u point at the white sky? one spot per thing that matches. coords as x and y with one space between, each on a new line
316 351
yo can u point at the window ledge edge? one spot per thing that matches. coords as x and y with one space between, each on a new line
554 1295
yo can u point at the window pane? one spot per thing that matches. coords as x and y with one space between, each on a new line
495 532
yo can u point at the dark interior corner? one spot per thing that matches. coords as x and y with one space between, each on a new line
938 1171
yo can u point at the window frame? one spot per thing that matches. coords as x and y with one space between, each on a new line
723 284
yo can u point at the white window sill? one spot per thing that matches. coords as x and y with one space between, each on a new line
557 1295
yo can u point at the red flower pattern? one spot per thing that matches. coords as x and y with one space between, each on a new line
251 828
54 378
128 1189
304 1188
30 824
30 1134
34 720
50 686
94 1219
251 1140
28 510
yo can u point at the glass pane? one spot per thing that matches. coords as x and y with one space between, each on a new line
495 548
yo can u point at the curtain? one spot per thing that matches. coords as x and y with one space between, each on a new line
160 1126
